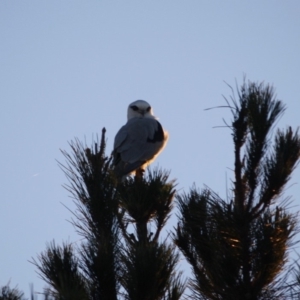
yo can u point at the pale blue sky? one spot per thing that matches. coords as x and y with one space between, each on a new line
68 68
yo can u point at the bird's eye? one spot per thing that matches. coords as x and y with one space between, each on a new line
134 107
148 108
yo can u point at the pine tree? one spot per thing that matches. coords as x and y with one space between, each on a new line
238 248
120 258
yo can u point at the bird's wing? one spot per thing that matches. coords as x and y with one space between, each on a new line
139 140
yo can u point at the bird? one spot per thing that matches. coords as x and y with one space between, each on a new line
139 141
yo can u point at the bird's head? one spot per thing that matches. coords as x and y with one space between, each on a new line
140 109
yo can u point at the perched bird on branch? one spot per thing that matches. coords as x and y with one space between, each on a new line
139 141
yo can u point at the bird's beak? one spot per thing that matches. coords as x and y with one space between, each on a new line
142 112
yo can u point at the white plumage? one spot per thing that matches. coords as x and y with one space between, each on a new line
139 141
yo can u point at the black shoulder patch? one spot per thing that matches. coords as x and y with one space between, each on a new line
158 135
116 157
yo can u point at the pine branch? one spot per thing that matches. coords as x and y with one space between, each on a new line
240 130
7 293
93 187
279 167
59 267
238 249
263 112
209 241
149 266
148 272
145 200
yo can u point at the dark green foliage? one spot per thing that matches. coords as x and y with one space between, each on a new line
147 200
279 165
148 271
149 266
112 262
237 249
58 266
95 269
6 293
208 239
93 188
209 236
